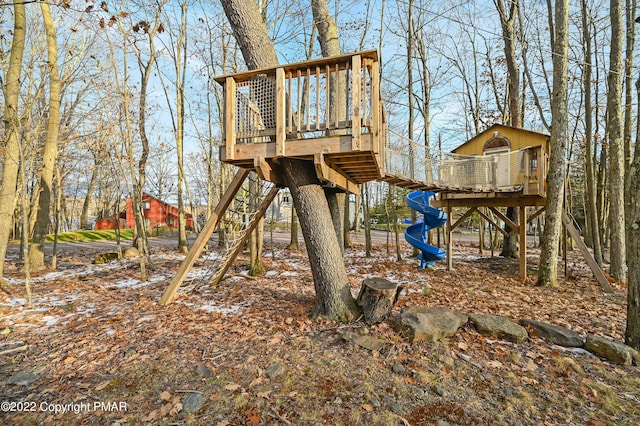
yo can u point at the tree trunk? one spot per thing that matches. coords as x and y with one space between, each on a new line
591 208
548 270
377 297
336 201
10 169
333 295
293 243
616 146
510 243
89 196
507 21
50 154
346 227
632 333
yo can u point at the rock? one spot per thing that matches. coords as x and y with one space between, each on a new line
499 327
438 391
203 371
130 253
399 369
366 342
273 370
103 258
434 323
22 379
554 334
192 402
375 402
610 350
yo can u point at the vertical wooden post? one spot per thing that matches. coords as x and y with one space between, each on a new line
203 237
449 239
523 243
230 117
356 130
375 106
526 160
281 120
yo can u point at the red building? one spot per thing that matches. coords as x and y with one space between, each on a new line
157 214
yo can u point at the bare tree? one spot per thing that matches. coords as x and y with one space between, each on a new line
591 209
42 199
508 13
548 272
10 169
616 145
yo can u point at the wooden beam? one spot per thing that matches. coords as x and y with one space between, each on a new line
230 118
463 217
268 171
326 173
523 243
340 144
356 95
493 222
281 116
204 236
536 214
449 235
508 222
246 233
595 268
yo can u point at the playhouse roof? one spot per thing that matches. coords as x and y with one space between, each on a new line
496 127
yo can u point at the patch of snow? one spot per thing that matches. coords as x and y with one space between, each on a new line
50 320
577 351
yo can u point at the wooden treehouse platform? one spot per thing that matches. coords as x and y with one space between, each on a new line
327 111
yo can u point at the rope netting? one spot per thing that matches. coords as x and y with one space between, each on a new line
408 159
231 229
255 107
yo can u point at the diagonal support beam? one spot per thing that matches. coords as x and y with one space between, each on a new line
508 222
493 222
245 235
204 236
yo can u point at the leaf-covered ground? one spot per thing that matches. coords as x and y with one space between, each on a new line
97 345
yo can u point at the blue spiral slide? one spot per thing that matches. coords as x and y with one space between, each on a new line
416 234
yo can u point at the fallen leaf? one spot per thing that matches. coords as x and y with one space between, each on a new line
165 396
367 407
232 387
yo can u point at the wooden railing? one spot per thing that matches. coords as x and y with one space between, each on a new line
325 97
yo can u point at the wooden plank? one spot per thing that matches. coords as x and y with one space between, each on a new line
303 147
281 99
463 217
230 117
317 120
246 234
493 222
527 171
523 243
536 214
508 222
595 268
268 171
327 97
356 130
338 59
449 236
289 102
203 237
327 173
307 95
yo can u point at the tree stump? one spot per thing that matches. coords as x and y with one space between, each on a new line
377 297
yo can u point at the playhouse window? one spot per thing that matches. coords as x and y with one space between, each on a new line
146 205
